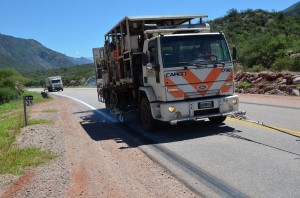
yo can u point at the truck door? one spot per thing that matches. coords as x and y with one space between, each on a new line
152 67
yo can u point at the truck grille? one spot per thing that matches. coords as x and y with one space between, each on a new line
199 94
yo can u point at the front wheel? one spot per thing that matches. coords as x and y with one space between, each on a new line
146 116
218 119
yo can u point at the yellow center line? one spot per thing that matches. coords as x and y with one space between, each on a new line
270 128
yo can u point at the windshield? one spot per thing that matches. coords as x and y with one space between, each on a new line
55 81
194 50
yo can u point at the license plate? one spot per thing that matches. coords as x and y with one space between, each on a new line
206 104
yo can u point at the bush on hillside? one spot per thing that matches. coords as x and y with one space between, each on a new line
262 38
7 94
11 85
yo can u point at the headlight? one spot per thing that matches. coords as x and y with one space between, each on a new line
171 109
234 101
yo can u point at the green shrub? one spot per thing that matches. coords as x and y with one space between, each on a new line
296 64
7 94
286 64
11 86
244 85
262 38
257 68
282 64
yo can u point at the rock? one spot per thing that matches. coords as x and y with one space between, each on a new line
91 81
269 88
240 76
289 80
260 91
282 82
295 92
278 92
275 92
258 80
44 94
273 76
279 83
296 80
253 90
296 76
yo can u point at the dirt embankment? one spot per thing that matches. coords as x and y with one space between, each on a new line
94 160
270 83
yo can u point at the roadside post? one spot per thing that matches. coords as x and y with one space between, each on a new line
27 101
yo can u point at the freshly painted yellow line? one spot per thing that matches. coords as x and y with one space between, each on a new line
289 131
274 129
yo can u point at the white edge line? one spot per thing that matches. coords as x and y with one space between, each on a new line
89 106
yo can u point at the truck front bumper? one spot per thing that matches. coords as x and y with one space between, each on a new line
174 112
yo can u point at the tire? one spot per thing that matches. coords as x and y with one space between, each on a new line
146 118
218 119
106 99
107 105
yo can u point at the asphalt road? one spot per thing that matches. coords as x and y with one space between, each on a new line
237 159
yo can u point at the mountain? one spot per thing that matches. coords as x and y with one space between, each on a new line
81 60
29 55
293 10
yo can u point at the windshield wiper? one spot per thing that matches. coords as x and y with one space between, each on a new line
198 65
183 63
218 64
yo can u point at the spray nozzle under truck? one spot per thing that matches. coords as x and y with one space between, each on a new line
168 68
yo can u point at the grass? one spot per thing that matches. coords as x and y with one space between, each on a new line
244 85
7 107
50 110
14 160
18 104
39 121
9 128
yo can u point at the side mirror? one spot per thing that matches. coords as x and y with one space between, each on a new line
234 53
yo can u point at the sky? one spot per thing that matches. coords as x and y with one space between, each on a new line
74 27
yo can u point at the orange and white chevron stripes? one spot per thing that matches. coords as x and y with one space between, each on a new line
194 83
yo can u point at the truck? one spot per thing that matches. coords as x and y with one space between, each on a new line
54 83
154 64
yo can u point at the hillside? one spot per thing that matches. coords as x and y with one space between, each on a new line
293 10
72 76
29 55
265 40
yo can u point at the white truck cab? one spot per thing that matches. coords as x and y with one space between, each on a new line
168 68
54 83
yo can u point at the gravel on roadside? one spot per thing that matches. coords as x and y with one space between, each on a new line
86 166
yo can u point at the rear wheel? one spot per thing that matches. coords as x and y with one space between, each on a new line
218 119
106 99
146 116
